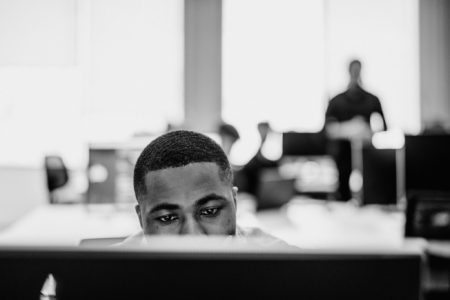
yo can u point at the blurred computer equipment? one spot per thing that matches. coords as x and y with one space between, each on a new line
379 174
304 144
110 171
274 191
428 215
236 272
427 186
306 159
102 175
427 163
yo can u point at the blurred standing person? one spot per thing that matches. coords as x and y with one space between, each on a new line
347 122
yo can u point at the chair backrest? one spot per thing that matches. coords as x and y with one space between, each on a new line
56 171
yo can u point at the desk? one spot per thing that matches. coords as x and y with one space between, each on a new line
66 225
316 224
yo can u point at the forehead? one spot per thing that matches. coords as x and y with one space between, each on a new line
185 184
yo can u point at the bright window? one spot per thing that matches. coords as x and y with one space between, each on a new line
114 68
273 62
284 59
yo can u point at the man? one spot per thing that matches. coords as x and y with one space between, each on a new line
347 119
183 185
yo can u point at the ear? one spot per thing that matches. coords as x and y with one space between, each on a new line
235 191
138 212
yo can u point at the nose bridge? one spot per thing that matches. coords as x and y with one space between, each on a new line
191 226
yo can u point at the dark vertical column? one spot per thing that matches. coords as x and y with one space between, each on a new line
434 40
203 64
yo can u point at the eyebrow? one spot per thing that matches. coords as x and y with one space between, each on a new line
200 202
210 197
164 206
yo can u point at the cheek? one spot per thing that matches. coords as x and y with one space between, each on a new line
154 228
225 224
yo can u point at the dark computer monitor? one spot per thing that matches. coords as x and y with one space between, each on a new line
427 163
427 186
304 144
379 176
273 190
116 273
428 215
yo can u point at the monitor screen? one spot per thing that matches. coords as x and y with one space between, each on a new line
304 144
219 272
428 215
427 162
379 176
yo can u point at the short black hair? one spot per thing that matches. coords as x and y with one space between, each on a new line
177 149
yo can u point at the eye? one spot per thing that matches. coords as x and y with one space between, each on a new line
209 212
167 218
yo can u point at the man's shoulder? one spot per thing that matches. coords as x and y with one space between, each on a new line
134 239
263 238
339 98
369 96
256 234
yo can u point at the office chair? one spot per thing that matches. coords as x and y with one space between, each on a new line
57 175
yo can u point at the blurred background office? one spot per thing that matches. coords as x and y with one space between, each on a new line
81 75
86 84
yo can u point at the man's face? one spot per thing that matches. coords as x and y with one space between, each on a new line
192 199
355 72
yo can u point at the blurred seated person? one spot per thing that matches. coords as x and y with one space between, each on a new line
60 182
347 121
253 169
228 137
184 185
435 127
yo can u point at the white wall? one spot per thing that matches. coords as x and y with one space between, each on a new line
40 82
21 190
136 67
74 71
37 33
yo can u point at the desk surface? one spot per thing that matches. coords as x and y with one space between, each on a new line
318 224
67 224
